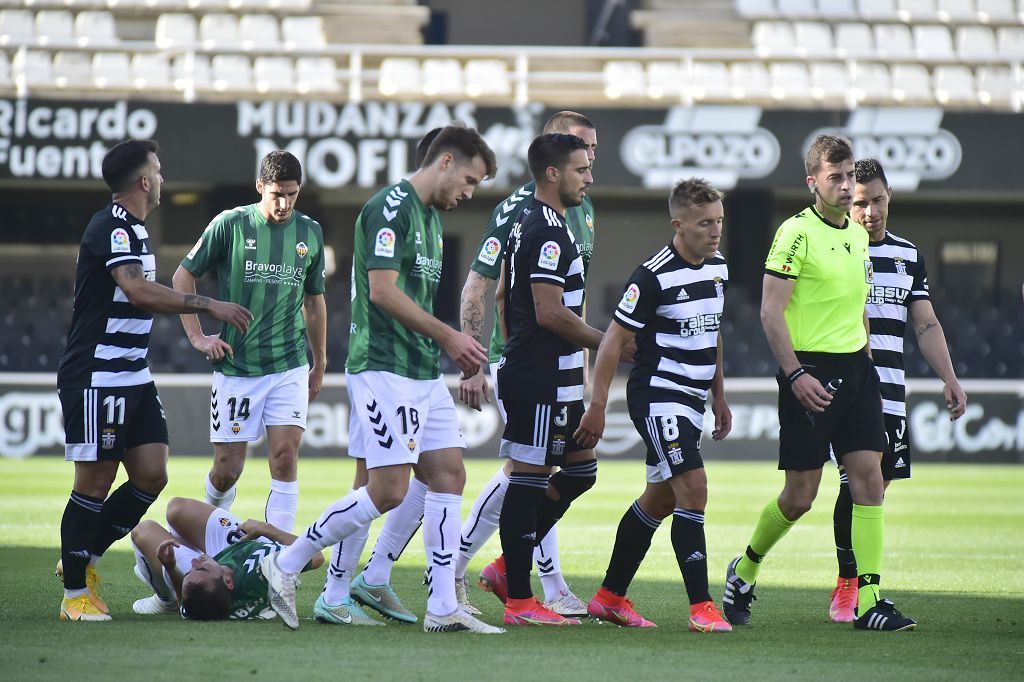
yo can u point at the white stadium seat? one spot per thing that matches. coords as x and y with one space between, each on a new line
829 81
773 36
911 83
957 11
954 85
316 74
855 40
96 29
111 70
231 72
259 32
151 71
756 9
997 11
398 76
5 72
665 79
749 81
996 86
274 74
176 30
191 70
798 9
442 77
302 32
877 10
219 32
834 10
894 41
54 27
487 77
72 69
209 5
790 82
917 11
711 81
872 82
32 68
17 27
624 79
1011 43
933 42
815 38
976 42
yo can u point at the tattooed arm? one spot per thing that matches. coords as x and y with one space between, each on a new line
473 310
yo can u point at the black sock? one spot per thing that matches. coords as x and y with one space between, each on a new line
691 552
121 512
842 520
571 482
518 529
632 540
77 530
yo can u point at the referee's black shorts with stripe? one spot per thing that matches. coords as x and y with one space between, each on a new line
852 422
100 424
541 434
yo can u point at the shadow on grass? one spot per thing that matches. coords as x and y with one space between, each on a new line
960 636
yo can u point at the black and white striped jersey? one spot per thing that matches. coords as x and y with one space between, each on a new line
675 308
538 366
900 278
109 337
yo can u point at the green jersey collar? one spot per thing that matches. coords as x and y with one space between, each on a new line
846 221
262 220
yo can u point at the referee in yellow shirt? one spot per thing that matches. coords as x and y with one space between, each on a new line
817 279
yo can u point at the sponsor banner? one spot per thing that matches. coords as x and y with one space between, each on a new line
370 144
992 430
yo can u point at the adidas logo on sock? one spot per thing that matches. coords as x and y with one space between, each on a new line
900 464
696 556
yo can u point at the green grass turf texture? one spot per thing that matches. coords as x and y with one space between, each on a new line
954 551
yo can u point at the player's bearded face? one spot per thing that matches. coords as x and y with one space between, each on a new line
871 206
154 179
459 182
575 178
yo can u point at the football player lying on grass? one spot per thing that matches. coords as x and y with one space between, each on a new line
207 563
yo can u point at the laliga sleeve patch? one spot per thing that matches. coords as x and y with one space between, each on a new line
489 251
549 254
119 241
630 298
384 244
195 249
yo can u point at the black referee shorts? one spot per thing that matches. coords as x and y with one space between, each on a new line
853 421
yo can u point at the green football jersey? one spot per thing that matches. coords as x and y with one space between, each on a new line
832 270
249 595
488 259
268 268
394 231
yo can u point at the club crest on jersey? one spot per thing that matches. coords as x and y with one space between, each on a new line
107 439
719 287
901 265
549 254
630 298
119 242
301 249
489 251
385 243
590 222
869 272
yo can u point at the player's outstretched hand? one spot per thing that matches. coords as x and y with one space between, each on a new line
956 400
466 352
232 313
723 419
213 347
253 529
165 554
811 394
591 427
473 391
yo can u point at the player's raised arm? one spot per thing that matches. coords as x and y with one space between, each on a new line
212 346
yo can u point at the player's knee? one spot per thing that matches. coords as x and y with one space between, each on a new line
574 479
225 475
143 529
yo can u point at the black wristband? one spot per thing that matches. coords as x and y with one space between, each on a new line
795 374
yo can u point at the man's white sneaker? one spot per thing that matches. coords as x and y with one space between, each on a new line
458 621
568 605
281 590
462 595
154 606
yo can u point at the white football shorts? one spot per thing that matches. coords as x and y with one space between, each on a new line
242 407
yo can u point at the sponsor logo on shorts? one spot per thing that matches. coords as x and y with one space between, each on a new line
675 454
549 254
411 445
558 445
235 427
224 521
384 245
900 464
297 414
489 251
119 242
301 249
107 439
630 298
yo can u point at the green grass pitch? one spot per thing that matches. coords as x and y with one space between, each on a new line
954 552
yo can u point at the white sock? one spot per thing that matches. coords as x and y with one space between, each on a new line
545 555
154 579
71 594
282 503
218 498
482 521
344 561
340 520
401 524
440 539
